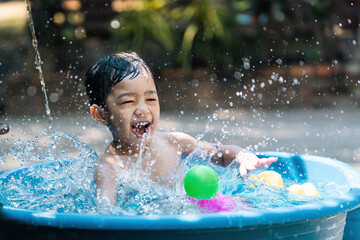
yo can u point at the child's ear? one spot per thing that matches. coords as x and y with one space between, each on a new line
98 114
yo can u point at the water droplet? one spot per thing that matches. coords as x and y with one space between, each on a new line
246 63
31 91
195 83
237 75
54 97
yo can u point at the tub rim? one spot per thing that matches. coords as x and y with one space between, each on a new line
236 219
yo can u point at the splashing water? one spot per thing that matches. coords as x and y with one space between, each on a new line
63 182
57 181
38 61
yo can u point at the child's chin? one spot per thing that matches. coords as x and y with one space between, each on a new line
143 138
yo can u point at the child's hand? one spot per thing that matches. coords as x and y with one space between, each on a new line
249 161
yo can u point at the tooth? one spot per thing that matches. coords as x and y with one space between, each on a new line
139 124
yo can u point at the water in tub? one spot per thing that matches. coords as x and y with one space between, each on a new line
63 182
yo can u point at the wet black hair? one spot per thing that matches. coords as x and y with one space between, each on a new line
110 70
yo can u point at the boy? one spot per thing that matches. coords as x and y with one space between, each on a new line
123 97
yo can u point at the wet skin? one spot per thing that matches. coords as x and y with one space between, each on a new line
132 115
133 111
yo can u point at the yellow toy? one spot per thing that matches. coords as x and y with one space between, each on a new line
307 189
270 178
274 179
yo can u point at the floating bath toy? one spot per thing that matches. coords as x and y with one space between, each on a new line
219 203
270 178
307 189
201 182
323 218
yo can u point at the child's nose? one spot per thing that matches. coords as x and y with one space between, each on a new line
142 110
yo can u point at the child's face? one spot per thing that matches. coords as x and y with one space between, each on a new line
133 110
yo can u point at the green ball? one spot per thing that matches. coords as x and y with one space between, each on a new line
201 182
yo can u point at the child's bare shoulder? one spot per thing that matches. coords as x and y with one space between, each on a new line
174 137
178 139
108 159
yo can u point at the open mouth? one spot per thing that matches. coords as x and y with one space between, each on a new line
140 128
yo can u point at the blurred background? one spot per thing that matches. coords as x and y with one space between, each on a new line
279 75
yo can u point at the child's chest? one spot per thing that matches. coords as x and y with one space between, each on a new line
163 162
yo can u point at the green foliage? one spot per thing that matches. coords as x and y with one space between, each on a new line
313 54
148 21
205 37
194 33
320 8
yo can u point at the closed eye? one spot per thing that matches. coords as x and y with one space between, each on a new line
151 99
127 102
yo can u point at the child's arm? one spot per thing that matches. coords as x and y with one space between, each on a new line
105 180
224 154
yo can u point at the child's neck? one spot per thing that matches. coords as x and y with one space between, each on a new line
129 150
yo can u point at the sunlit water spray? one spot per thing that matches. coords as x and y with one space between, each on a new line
64 182
38 61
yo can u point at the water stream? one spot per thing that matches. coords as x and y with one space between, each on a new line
38 61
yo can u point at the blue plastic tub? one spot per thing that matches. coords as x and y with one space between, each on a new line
324 219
